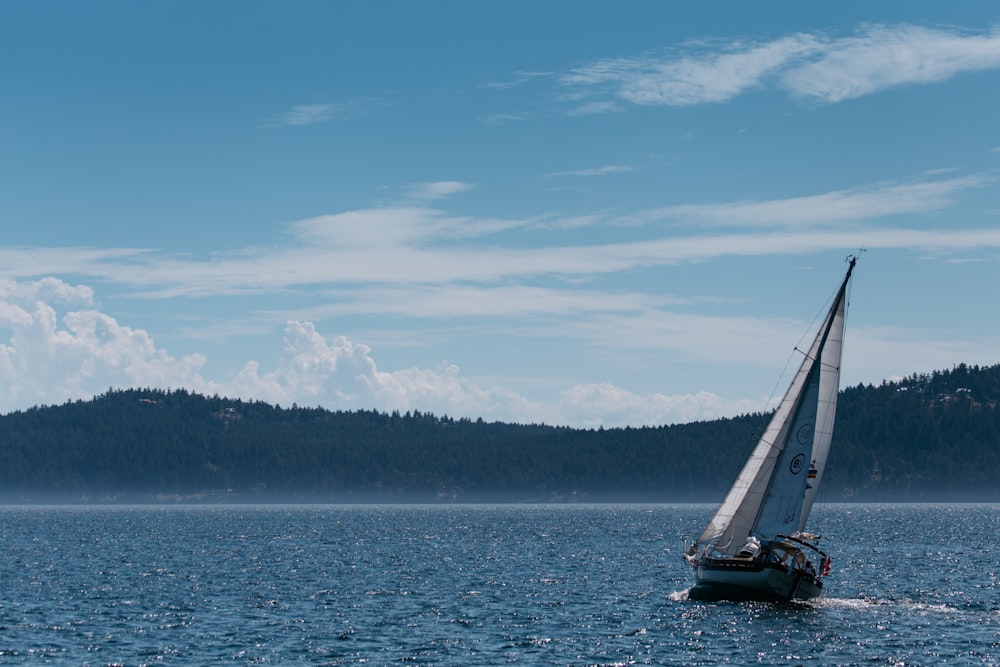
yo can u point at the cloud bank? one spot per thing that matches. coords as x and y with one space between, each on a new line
61 348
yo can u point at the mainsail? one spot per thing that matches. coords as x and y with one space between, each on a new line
774 492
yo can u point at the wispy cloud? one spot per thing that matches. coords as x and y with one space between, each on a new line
517 79
305 114
882 57
417 245
696 75
502 118
312 114
474 301
34 262
279 270
437 189
812 66
598 171
877 201
593 108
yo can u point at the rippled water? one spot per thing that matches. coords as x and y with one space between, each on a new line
479 585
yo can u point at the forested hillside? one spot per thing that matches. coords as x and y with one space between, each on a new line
929 437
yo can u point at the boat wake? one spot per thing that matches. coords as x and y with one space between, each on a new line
880 605
679 596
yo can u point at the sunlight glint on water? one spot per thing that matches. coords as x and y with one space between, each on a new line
479 585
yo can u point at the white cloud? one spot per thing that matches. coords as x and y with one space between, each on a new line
305 114
340 374
518 79
852 205
371 227
17 263
882 57
432 254
602 404
313 371
594 108
49 359
438 189
395 227
46 289
810 65
456 300
598 171
52 357
312 114
54 354
709 78
502 118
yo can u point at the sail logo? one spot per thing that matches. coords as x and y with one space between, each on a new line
797 464
804 434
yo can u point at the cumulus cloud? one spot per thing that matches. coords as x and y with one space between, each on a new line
341 374
602 404
58 351
49 359
57 346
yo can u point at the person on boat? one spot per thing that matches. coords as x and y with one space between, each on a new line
810 570
751 549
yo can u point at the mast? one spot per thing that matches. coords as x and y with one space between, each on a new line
783 504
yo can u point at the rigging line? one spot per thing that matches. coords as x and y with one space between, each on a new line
778 382
824 309
820 361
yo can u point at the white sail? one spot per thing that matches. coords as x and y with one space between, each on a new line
770 495
827 406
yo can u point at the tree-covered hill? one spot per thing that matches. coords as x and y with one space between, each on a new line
928 437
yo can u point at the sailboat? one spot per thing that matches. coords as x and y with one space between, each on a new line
756 546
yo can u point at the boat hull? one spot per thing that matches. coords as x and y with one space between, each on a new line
739 580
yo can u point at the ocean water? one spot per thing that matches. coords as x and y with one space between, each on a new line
479 585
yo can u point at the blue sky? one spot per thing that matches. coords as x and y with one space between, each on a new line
582 213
